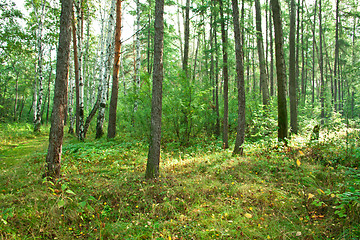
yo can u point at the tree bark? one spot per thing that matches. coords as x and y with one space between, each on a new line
115 82
39 36
292 70
322 84
104 76
53 157
262 61
152 166
226 79
336 56
240 136
280 72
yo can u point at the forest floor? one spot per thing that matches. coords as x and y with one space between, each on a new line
302 191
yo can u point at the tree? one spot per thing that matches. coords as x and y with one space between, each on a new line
226 78
262 60
240 81
39 35
53 157
280 71
115 82
292 70
152 166
104 74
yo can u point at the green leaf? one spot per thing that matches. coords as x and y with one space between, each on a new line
70 192
61 203
63 187
82 204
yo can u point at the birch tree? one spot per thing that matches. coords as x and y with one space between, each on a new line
106 64
39 14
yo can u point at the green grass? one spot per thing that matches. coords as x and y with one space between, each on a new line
203 192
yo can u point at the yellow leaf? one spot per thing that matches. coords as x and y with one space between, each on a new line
301 153
310 195
169 238
248 215
320 190
298 162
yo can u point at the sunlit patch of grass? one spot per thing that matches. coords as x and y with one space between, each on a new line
102 193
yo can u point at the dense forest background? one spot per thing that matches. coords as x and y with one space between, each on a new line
326 66
259 122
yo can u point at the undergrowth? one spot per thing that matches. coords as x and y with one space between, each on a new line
306 190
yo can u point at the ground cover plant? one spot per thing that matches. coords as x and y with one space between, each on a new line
306 190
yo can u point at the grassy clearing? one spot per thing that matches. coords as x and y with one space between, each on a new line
305 191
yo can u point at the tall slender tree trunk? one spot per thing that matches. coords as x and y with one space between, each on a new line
79 33
280 72
76 71
322 84
226 78
16 96
262 61
48 87
138 55
104 77
152 166
53 157
240 136
217 105
115 81
39 36
271 55
336 59
292 70
313 59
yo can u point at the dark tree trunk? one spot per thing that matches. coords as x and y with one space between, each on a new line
262 61
292 70
115 82
76 70
280 71
271 56
152 166
226 79
53 158
321 63
336 56
240 137
313 59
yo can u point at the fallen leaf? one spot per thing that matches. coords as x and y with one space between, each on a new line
298 162
248 215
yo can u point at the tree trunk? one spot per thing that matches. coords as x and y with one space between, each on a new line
262 61
271 56
16 96
292 70
115 82
313 58
322 84
336 56
240 136
76 70
280 72
226 79
39 35
138 55
79 33
152 166
104 76
53 157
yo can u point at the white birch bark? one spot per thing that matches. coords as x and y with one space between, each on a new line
39 33
104 81
81 79
138 54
